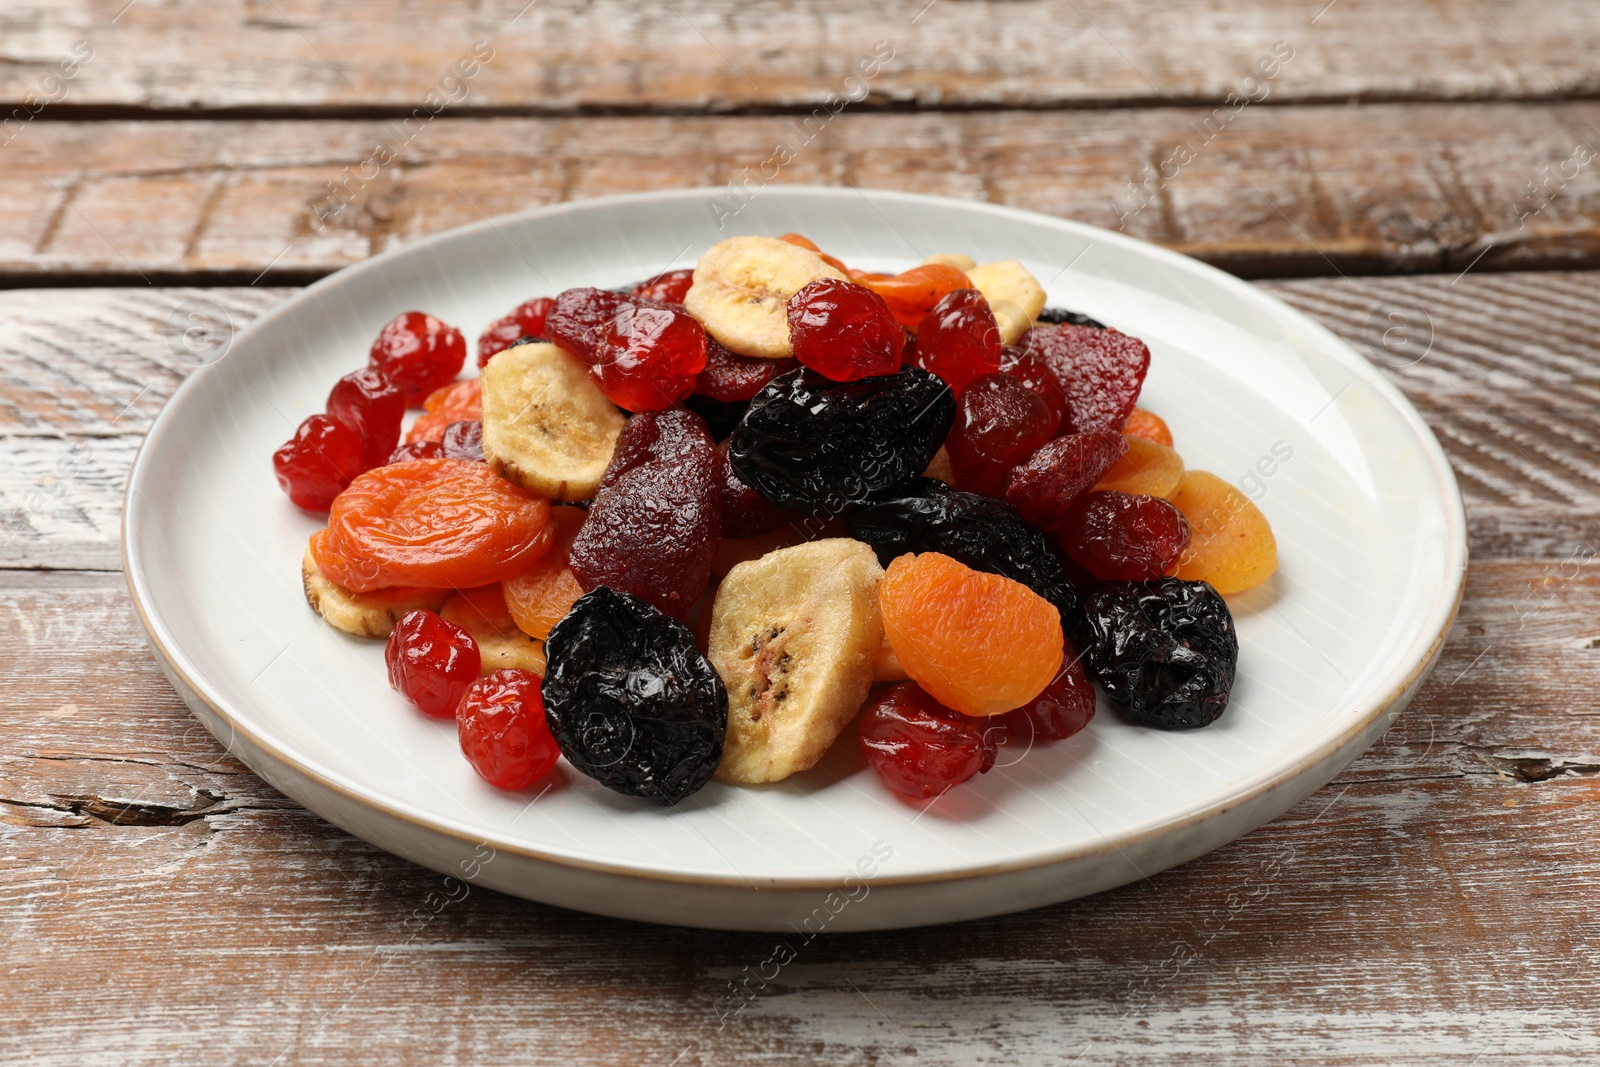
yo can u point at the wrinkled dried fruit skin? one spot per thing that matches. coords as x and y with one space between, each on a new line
984 533
431 662
1100 372
1148 425
745 512
457 402
1060 316
1165 651
919 747
668 288
373 406
959 340
631 701
463 440
1120 536
808 442
317 464
417 450
1043 488
643 354
1000 422
657 518
1029 368
844 331
732 378
418 353
501 726
912 294
525 321
1065 707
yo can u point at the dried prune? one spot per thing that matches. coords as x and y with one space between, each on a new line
1059 316
657 517
1165 651
721 415
984 533
631 701
1100 372
810 442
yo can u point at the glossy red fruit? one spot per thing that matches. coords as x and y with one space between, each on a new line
374 407
1064 708
1100 372
745 512
919 747
525 320
1059 472
999 423
669 288
844 331
1029 368
730 378
500 722
431 662
463 440
959 339
644 355
1123 536
419 353
417 450
319 461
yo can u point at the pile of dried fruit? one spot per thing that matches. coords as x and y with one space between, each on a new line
700 526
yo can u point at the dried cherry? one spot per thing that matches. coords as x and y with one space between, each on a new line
463 440
526 320
1000 422
431 662
417 450
669 288
1064 708
373 406
501 726
844 331
731 378
1059 472
959 340
631 701
418 353
322 458
1028 368
643 354
1124 536
1165 651
919 747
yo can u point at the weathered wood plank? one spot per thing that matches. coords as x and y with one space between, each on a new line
1447 872
1272 191
725 55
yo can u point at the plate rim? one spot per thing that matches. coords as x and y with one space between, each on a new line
1443 609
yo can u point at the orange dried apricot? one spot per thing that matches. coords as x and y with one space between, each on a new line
979 643
1148 425
431 523
1230 541
912 294
484 614
1146 469
457 402
539 596
807 243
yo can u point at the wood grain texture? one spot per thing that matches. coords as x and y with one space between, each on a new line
1435 900
721 55
1273 191
1499 365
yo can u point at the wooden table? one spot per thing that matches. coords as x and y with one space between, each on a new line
1425 174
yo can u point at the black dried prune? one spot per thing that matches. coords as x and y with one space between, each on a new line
630 700
1165 650
980 531
721 416
810 442
1058 316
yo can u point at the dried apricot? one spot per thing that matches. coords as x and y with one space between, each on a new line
979 643
457 402
1148 425
484 614
539 596
1146 469
1230 541
808 244
431 523
911 295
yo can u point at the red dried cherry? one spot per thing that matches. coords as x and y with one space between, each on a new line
959 339
419 353
417 450
669 288
999 423
644 355
729 377
1100 372
1064 708
500 722
374 407
322 458
844 331
463 440
919 747
431 662
525 320
1029 368
1061 471
1124 537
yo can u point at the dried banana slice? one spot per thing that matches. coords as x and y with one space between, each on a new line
794 635
371 614
742 288
1014 294
546 425
484 615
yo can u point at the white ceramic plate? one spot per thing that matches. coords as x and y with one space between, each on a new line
1368 519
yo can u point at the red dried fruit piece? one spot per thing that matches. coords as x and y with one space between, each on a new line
959 339
669 288
844 331
1064 708
913 294
745 512
373 406
431 662
1061 471
1029 369
419 353
657 517
919 747
525 320
463 440
999 423
1100 372
1124 537
730 378
644 355
417 450
322 458
501 725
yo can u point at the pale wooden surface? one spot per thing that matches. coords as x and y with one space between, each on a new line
1434 904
